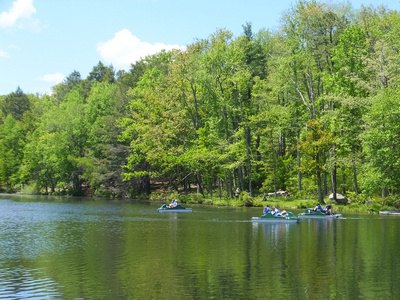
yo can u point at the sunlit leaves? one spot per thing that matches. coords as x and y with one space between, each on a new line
317 141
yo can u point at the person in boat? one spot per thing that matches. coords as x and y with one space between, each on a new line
267 209
237 193
327 210
174 203
277 212
318 207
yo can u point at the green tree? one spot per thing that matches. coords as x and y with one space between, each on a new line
102 73
61 89
104 155
12 141
347 90
15 104
53 149
381 144
317 141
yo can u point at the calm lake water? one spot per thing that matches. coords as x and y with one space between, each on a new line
53 248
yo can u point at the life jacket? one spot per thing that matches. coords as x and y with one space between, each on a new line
276 211
266 210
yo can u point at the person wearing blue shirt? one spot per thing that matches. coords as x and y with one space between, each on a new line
327 210
174 203
267 209
318 207
277 212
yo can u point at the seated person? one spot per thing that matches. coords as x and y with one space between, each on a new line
237 193
174 203
277 212
318 207
327 210
267 209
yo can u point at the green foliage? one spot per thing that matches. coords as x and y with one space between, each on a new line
246 199
317 141
391 201
262 112
102 73
358 199
303 204
380 141
15 104
192 198
349 60
12 142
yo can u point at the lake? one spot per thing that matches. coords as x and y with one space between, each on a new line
71 248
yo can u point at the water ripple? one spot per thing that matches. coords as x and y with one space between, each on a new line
22 283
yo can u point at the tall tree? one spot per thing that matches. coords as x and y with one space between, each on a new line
317 141
61 89
16 104
102 73
348 85
12 141
381 144
104 155
52 152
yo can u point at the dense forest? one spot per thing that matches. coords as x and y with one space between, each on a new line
311 108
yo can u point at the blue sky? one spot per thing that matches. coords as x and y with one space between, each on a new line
42 41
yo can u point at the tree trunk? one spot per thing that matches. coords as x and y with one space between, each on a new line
249 175
248 144
298 165
344 183
226 182
146 184
334 183
240 178
275 169
320 195
355 177
319 182
77 183
199 183
219 187
230 184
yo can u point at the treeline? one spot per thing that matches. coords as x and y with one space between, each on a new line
312 108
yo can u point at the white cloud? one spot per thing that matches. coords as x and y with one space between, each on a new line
3 54
124 49
53 78
20 15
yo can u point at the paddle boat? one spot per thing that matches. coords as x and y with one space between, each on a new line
287 217
178 208
311 214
